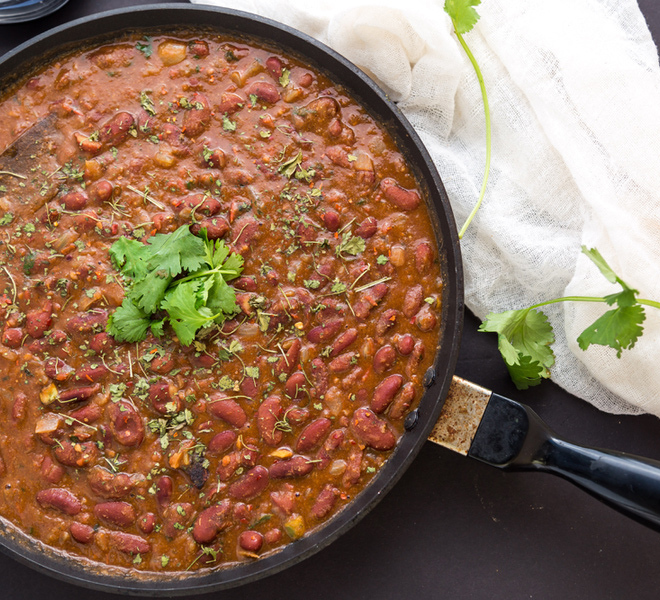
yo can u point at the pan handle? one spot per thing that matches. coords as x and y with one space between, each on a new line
513 437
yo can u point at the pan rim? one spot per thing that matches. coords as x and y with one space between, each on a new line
55 563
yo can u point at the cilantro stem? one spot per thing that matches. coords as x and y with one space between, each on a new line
482 85
203 274
643 301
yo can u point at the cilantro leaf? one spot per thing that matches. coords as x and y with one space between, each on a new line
524 338
128 323
350 244
596 257
618 328
186 317
463 14
180 273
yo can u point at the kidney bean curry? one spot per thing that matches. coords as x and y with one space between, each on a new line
219 294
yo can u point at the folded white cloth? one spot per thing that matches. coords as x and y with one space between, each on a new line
574 90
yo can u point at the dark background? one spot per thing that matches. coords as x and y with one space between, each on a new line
453 527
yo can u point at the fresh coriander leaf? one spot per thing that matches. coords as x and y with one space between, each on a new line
184 315
618 328
338 287
526 373
596 257
221 298
173 252
145 47
128 323
350 244
382 259
462 13
148 292
524 338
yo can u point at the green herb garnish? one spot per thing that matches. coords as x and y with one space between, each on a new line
179 273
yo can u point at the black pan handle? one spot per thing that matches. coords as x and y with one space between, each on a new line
513 437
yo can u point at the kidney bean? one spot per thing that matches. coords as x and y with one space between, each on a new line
19 407
413 300
319 375
274 65
128 543
312 435
426 319
198 48
251 484
101 343
264 91
12 337
228 410
246 283
91 373
37 322
244 232
268 414
176 518
369 299
114 485
295 386
343 362
323 333
386 321
221 442
402 401
216 227
211 521
88 414
51 471
164 487
78 394
331 220
126 423
371 430
251 541
330 446
353 469
272 536
404 343
121 514
385 392
161 399
81 533
384 359
230 103
115 130
100 191
87 322
59 499
296 466
249 387
343 341
146 522
415 359
424 256
198 118
325 501
367 228
74 200
290 360
399 196
79 454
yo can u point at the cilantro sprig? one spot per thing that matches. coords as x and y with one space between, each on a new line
176 277
464 17
525 335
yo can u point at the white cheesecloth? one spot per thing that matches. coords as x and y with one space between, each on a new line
574 92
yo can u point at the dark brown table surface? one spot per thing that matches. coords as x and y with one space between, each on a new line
452 527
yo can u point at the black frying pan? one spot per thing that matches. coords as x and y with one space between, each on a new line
418 424
438 379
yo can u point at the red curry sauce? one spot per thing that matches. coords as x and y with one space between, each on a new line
159 456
